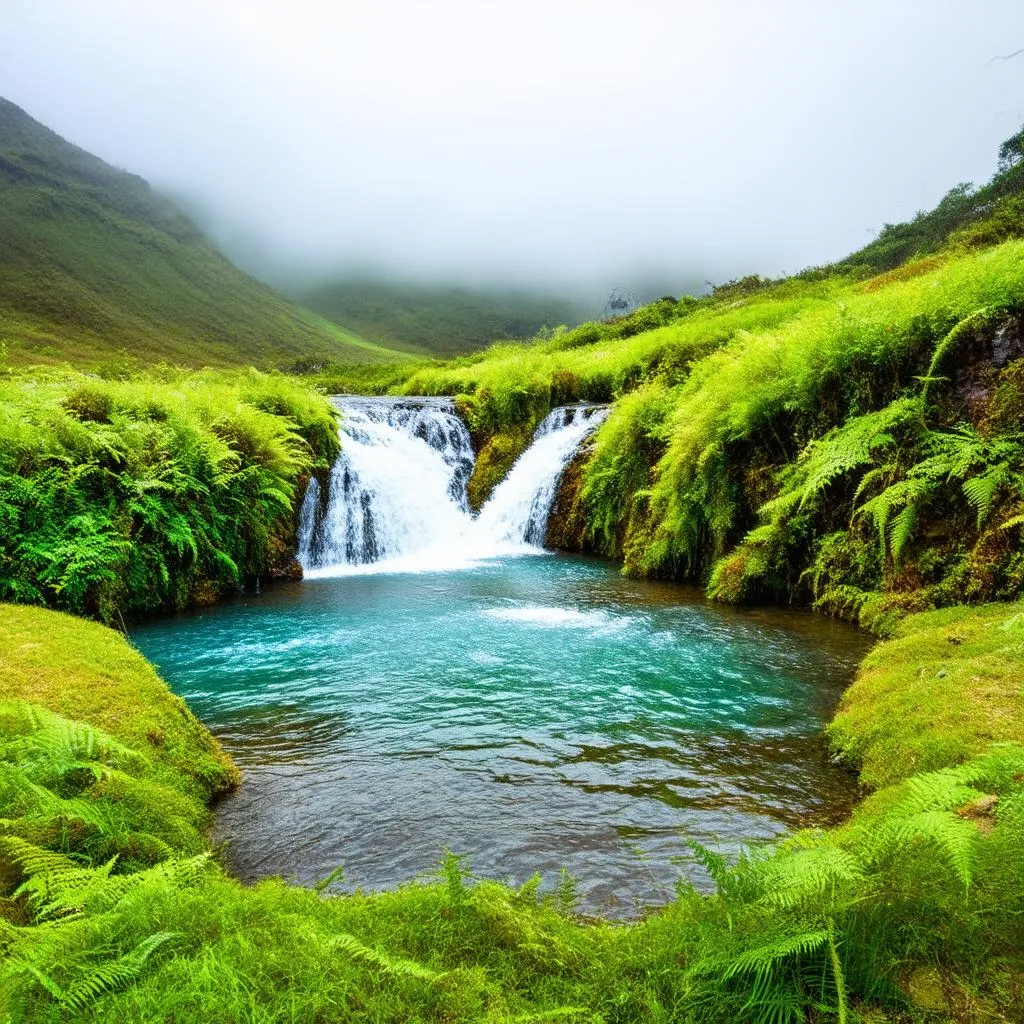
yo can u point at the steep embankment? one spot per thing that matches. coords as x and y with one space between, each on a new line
97 267
855 443
111 908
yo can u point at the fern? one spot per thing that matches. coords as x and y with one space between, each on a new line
111 975
454 875
985 467
762 959
394 966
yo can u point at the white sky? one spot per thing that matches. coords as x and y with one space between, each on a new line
560 141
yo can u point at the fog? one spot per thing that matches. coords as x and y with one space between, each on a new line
571 144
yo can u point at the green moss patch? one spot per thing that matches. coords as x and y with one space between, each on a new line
86 672
947 686
493 462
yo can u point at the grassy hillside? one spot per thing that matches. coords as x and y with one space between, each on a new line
438 319
847 437
112 909
96 267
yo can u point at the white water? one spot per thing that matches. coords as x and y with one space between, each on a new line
396 497
518 510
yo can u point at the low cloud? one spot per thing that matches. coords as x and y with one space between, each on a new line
575 145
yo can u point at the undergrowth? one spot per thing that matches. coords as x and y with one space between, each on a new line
119 497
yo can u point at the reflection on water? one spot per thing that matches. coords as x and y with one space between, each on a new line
533 713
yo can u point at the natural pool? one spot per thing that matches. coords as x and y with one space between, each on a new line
532 712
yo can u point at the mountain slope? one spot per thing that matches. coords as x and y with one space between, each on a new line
95 265
442 319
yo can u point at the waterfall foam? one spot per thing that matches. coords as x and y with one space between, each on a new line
517 512
397 490
396 497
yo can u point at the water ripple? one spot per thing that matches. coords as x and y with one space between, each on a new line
533 713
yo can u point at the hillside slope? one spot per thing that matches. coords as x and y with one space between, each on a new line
850 441
95 265
441 319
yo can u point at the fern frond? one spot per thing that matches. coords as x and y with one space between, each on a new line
809 876
902 528
762 959
112 975
396 966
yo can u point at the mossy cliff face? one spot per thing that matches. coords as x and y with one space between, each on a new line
567 524
495 457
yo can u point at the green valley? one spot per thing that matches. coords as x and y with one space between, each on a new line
845 443
96 267
437 319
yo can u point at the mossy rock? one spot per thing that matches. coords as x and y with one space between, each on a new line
495 458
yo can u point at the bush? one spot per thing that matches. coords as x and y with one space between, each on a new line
126 497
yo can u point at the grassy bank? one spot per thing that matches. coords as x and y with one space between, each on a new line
110 910
855 444
119 497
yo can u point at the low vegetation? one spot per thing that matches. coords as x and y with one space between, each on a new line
112 907
951 678
435 319
119 497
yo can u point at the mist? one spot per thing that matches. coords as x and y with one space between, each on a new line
566 145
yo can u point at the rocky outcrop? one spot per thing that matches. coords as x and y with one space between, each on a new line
495 457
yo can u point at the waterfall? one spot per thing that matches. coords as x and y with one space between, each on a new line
517 512
396 496
396 491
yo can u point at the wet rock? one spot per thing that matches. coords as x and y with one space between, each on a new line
975 367
1007 342
567 524
981 812
289 569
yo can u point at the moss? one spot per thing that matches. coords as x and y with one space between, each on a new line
949 684
89 673
1006 408
567 523
493 462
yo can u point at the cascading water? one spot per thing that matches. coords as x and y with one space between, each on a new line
518 511
396 497
397 490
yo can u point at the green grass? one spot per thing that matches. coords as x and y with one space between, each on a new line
436 318
950 684
96 268
109 910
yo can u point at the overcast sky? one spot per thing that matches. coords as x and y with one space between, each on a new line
566 141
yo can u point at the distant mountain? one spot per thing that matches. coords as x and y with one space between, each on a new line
442 319
94 264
